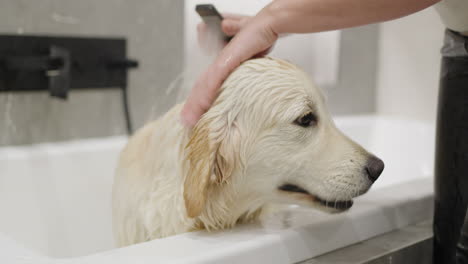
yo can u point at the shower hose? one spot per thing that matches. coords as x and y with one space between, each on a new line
451 159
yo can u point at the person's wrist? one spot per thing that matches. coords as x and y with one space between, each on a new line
272 17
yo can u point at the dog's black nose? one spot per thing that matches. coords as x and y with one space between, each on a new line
374 168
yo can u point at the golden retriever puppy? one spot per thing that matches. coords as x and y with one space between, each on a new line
267 138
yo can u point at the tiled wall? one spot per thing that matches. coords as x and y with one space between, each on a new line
154 31
355 91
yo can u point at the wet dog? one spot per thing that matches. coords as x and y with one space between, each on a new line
267 138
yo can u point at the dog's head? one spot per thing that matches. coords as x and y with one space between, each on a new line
270 134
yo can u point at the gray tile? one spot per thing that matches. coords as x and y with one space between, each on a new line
412 244
154 31
355 92
419 253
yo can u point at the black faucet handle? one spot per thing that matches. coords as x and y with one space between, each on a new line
59 77
55 65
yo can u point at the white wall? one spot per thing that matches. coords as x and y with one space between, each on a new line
409 62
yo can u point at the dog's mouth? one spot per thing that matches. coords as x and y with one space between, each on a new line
338 205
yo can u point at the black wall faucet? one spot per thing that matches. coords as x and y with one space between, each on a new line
58 64
61 64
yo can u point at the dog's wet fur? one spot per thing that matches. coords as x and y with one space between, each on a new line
267 138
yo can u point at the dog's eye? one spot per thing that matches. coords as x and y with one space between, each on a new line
306 120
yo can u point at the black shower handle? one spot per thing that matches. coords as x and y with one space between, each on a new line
55 65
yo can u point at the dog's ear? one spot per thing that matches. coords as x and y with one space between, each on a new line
211 155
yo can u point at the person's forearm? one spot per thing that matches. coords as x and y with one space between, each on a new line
307 16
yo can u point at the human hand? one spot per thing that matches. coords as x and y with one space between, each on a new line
230 25
252 36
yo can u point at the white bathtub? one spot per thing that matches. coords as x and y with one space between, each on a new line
55 205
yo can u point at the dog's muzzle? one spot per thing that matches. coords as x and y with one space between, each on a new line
339 205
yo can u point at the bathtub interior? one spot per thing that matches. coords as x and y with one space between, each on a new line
55 198
406 146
